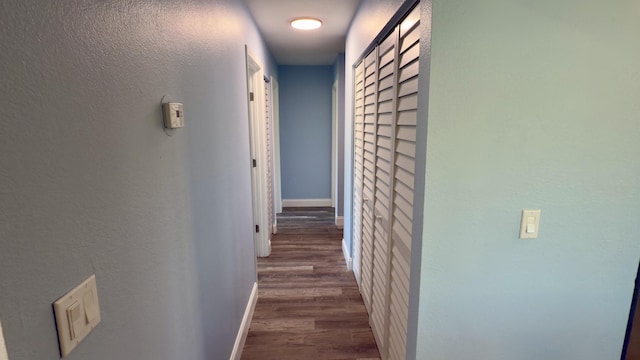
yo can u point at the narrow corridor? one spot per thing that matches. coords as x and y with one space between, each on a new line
309 306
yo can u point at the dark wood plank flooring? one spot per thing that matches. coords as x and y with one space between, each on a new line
633 350
309 306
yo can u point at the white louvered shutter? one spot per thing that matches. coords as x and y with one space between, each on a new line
269 150
404 174
385 117
368 188
384 159
358 148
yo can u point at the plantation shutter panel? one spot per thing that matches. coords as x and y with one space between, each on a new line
385 118
269 144
404 175
385 95
358 148
368 188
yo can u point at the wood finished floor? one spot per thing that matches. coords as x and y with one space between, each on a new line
309 306
633 351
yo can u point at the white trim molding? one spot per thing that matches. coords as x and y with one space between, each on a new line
347 258
3 348
258 151
306 202
340 222
274 228
246 323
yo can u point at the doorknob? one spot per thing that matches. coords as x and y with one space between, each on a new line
365 199
378 217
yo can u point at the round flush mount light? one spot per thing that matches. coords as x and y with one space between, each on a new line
306 23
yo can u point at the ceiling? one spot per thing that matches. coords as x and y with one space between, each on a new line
296 47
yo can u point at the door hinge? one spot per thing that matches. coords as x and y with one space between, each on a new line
255 163
251 96
257 228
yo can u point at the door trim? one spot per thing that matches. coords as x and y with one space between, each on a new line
257 133
632 313
334 146
277 190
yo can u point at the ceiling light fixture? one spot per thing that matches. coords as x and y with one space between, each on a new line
306 23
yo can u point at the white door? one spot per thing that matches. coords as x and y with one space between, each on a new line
258 161
385 101
358 169
277 188
269 139
404 178
369 179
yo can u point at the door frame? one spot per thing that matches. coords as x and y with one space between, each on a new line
277 184
257 133
632 313
334 147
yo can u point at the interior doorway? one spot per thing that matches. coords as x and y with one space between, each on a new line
259 161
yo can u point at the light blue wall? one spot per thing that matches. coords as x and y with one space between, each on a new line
305 131
90 183
533 105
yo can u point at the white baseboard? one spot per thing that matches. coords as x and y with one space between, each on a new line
3 348
347 258
246 323
340 222
306 202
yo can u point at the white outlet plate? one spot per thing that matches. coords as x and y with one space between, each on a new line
77 313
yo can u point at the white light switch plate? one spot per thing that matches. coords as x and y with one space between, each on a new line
77 313
530 224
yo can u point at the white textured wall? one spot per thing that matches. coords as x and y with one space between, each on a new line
90 183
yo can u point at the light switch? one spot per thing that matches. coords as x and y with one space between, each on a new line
91 311
77 322
531 228
77 313
530 224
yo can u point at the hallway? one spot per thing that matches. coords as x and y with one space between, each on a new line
309 306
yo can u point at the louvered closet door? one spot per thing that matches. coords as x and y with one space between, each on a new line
386 102
384 140
403 189
368 183
269 144
358 148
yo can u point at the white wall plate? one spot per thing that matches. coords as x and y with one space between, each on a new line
77 313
